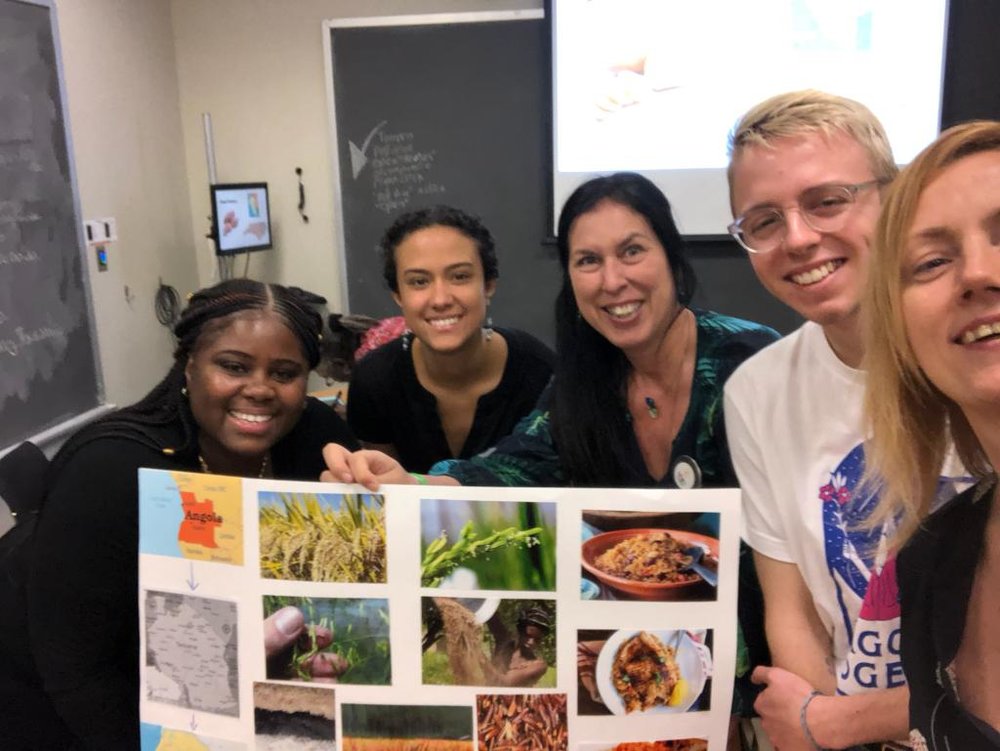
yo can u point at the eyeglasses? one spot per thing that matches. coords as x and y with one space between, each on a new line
824 208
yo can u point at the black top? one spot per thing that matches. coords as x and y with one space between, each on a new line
83 594
387 404
935 570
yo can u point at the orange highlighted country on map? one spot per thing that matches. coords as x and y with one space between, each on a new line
200 521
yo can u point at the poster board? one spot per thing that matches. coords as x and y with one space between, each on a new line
218 570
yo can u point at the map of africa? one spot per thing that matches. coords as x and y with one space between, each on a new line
191 656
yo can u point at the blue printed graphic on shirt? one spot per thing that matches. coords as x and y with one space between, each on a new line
864 576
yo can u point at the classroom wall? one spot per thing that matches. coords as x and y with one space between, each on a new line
120 76
257 67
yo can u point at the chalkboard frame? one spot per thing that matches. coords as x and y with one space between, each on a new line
49 434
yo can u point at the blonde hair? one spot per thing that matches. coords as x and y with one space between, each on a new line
909 420
799 113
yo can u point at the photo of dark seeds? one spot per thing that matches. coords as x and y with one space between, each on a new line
293 717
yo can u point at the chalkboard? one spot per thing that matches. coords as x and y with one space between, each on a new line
447 112
48 367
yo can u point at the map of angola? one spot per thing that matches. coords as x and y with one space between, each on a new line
192 516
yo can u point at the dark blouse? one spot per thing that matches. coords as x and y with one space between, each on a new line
935 570
387 404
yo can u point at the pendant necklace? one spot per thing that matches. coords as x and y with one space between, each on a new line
263 465
651 406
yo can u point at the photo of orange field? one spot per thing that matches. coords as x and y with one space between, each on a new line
405 744
383 727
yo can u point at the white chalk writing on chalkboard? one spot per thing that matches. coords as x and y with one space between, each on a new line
12 212
24 338
18 256
399 170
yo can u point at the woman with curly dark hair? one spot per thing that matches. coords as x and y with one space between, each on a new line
453 385
233 403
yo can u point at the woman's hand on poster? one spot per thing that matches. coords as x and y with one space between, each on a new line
365 467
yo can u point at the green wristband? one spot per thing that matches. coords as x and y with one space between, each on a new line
421 479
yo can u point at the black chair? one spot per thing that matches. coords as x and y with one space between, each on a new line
29 720
22 481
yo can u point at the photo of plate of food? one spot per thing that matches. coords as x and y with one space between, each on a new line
653 564
660 672
682 744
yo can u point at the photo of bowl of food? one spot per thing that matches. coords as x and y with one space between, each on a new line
659 672
682 744
651 564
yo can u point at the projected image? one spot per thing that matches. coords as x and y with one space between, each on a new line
654 86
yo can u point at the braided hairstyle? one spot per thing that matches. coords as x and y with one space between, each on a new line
152 421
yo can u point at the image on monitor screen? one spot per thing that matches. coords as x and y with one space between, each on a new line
241 217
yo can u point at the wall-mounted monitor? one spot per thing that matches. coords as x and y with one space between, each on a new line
241 218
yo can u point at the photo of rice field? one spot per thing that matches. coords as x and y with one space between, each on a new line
327 537
343 640
380 727
501 545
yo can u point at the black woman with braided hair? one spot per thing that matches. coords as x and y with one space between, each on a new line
233 403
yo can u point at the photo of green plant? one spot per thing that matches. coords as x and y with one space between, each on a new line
488 545
328 537
344 640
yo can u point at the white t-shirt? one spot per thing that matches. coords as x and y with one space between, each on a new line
794 425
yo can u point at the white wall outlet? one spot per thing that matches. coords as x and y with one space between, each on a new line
110 228
94 232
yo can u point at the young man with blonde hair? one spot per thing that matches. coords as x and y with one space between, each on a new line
805 178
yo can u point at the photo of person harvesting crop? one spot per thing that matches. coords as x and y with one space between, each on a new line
508 643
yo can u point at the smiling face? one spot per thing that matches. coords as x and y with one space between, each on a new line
246 385
442 293
951 284
620 276
817 274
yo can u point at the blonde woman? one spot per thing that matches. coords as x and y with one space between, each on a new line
933 344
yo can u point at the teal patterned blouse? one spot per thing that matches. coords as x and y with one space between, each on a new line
528 457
